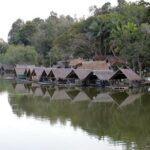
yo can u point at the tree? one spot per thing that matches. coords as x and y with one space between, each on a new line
121 3
133 43
14 34
106 7
19 55
26 33
3 46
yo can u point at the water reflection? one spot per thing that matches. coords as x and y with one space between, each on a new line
120 117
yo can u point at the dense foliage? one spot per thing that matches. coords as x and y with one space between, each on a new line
122 31
19 55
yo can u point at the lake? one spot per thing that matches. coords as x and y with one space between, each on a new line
43 118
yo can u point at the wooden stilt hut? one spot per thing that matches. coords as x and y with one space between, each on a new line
59 75
43 77
28 71
51 77
125 77
20 72
99 78
46 74
7 69
77 76
37 74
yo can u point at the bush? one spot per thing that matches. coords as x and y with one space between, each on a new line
19 55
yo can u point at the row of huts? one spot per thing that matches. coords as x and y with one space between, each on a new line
70 76
91 73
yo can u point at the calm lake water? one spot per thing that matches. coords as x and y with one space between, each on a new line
44 118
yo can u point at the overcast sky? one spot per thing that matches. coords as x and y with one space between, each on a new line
11 10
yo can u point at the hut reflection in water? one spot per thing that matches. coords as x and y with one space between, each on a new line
123 116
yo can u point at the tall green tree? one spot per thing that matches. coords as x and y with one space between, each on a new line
19 55
14 34
3 46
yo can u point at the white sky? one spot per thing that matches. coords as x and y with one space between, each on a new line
11 10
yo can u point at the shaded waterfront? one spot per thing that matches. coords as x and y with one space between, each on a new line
119 117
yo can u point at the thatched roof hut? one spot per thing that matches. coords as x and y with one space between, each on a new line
126 74
7 68
20 71
114 60
51 75
37 72
61 73
74 63
80 74
95 65
62 64
47 70
103 74
98 78
30 67
44 76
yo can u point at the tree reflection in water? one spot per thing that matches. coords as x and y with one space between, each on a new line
121 116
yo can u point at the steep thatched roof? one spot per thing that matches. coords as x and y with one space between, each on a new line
61 73
30 67
47 70
24 66
103 74
126 73
20 71
95 65
75 62
27 67
82 73
114 60
7 67
37 71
